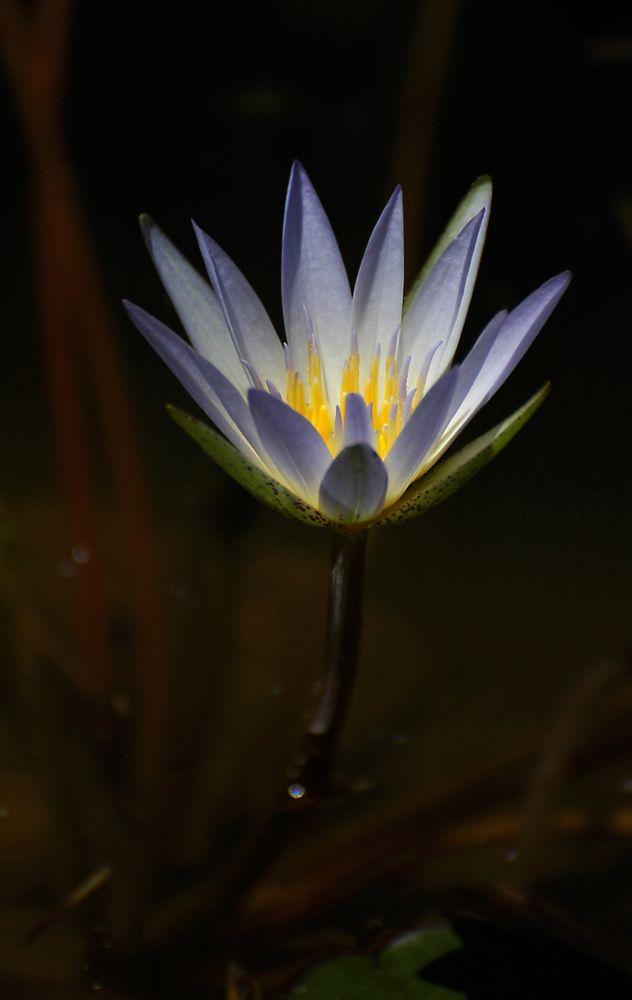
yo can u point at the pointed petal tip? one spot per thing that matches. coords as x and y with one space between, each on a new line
557 285
483 181
298 174
208 248
131 309
564 277
481 189
148 229
473 226
396 200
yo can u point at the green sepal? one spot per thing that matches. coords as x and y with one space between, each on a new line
478 196
447 477
396 974
261 485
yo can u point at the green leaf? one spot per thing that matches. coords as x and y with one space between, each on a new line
394 975
262 486
447 477
352 977
405 957
478 196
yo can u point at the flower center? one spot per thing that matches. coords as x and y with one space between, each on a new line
385 393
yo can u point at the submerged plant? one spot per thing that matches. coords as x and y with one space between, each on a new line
343 423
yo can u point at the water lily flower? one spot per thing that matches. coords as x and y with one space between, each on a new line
343 424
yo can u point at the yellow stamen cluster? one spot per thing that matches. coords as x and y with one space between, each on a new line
387 416
386 402
312 403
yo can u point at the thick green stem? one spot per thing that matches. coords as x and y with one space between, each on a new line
314 766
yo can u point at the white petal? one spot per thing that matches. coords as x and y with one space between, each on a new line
211 390
255 338
378 294
195 303
479 196
416 439
498 350
354 486
298 455
358 426
437 312
314 281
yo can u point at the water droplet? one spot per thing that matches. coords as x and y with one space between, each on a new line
276 688
96 985
4 810
296 790
81 554
510 855
626 786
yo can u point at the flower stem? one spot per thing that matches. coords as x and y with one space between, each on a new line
309 779
314 766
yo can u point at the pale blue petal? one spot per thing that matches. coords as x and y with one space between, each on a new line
379 288
354 487
437 312
358 425
479 196
314 281
210 389
255 338
195 303
297 453
472 365
416 439
498 351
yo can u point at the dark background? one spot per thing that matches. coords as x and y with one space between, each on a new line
482 616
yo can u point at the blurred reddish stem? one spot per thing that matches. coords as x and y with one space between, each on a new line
81 341
432 36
